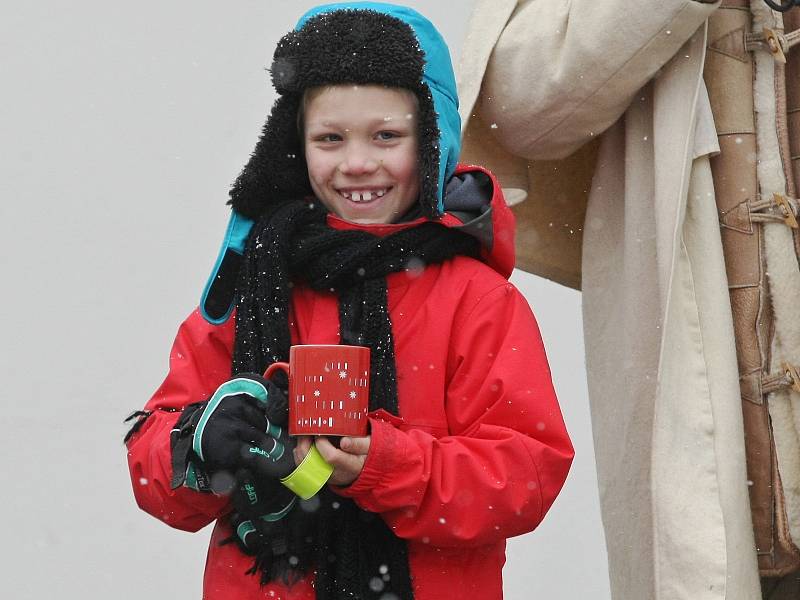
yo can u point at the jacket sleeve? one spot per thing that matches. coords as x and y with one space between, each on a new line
563 71
508 452
199 362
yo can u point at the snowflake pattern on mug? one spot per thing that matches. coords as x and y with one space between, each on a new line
329 395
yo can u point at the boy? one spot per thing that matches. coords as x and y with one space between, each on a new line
359 229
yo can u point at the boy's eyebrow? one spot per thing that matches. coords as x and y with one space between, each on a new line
371 122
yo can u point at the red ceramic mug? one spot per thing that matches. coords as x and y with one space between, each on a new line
328 389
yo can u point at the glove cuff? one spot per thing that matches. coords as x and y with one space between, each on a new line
310 475
180 441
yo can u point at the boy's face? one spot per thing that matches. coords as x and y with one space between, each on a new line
361 151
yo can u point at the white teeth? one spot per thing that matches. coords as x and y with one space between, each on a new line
365 196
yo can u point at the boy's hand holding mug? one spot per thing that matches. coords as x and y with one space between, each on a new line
347 460
329 398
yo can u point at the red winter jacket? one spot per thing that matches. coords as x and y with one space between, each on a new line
478 453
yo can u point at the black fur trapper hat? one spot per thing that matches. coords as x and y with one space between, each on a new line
354 43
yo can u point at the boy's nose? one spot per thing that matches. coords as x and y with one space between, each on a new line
357 162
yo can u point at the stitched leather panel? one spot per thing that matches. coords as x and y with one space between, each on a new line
725 71
758 451
745 307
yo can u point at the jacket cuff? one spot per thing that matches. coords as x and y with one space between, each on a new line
382 458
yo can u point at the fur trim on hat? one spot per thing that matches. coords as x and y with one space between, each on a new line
341 47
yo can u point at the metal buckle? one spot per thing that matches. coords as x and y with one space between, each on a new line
786 209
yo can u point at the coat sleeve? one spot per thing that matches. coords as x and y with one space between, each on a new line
508 452
561 72
200 361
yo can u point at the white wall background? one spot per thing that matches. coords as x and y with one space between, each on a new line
122 126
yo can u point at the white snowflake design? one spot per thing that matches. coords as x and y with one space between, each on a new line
342 374
353 395
316 393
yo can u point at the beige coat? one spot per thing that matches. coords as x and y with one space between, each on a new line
539 81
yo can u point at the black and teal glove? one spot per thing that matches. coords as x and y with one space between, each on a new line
238 427
258 505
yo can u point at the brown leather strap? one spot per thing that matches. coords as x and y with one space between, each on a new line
775 41
789 377
782 208
778 209
729 76
791 23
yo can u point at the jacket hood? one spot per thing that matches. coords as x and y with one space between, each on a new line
354 43
474 203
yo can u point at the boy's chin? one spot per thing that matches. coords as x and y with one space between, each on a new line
365 215
365 220
377 215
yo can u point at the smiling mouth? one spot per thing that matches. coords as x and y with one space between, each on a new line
364 195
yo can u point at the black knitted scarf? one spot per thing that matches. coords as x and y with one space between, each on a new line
355 554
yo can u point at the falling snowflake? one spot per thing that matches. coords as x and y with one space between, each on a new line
342 374
353 395
376 584
316 393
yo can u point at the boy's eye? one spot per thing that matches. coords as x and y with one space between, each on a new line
386 135
329 137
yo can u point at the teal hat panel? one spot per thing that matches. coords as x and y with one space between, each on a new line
218 299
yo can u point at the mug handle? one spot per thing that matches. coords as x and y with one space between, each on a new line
274 367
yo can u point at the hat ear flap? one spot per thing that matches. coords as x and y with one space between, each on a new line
428 155
277 169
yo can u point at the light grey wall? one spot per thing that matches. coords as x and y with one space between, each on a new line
123 125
